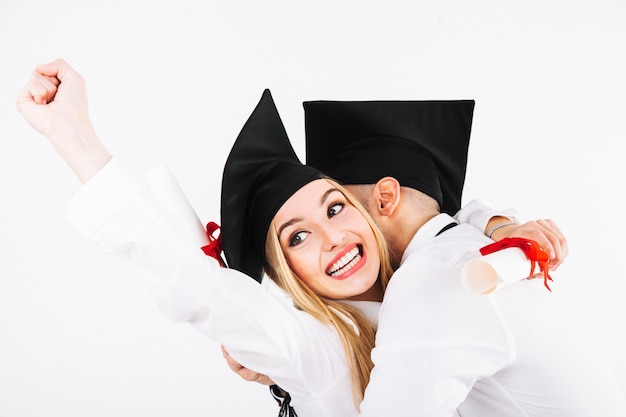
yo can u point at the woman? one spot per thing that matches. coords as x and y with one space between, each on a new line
314 350
278 216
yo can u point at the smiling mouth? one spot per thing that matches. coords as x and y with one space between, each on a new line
346 263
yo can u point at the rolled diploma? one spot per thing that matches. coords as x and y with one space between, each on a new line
164 186
162 183
487 273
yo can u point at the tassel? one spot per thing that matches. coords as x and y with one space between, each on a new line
531 249
214 248
284 401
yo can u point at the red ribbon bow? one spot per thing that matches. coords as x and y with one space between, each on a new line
531 249
214 248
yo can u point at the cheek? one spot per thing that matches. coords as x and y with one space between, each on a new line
368 235
363 227
302 265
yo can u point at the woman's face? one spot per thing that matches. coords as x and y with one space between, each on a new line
328 243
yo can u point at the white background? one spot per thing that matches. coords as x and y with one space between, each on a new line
175 81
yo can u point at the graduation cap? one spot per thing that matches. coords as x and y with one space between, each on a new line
423 144
262 171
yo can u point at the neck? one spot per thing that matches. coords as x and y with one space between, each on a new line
404 231
375 293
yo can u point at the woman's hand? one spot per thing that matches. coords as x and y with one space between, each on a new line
54 102
244 372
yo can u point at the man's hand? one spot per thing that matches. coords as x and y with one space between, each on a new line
545 232
244 372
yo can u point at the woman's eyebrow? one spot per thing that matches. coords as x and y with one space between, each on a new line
299 219
326 194
287 224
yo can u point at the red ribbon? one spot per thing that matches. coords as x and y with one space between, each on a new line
214 248
531 249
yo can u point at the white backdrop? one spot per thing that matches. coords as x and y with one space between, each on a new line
174 82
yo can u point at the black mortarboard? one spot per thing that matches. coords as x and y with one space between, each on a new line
423 144
262 171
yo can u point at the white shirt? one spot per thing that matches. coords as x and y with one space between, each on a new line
518 352
261 329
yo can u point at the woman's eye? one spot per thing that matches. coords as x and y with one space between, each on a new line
297 238
334 209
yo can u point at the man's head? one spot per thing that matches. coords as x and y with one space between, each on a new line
379 148
398 211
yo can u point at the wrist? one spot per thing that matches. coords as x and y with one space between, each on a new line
497 224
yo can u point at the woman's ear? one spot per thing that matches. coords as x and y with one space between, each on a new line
387 194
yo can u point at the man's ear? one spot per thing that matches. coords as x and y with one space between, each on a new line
387 194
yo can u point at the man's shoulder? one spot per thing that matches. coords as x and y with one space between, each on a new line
451 244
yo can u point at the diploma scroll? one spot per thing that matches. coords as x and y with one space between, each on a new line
487 273
162 183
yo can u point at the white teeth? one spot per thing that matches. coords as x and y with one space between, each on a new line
345 263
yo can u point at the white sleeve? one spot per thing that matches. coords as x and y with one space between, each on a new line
429 352
264 332
478 214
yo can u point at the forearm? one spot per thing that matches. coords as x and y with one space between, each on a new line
260 330
484 217
120 213
82 151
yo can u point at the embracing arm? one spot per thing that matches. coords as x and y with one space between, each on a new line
499 224
433 342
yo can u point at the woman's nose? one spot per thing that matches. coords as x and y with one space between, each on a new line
333 238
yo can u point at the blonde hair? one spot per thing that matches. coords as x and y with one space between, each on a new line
357 343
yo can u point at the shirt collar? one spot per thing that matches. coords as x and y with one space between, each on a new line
426 233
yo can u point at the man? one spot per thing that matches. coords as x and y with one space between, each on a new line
439 348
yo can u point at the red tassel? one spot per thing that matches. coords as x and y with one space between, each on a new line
214 248
531 249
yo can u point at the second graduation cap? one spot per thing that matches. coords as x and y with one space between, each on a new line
423 144
262 171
